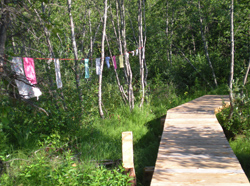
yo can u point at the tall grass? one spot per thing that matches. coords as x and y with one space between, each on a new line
65 138
241 148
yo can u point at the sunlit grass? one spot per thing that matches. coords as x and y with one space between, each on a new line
96 139
241 148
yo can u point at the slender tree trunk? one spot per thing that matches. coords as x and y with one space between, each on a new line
120 35
246 75
75 52
118 26
144 46
91 40
83 33
193 40
141 49
114 28
232 62
124 96
127 64
167 29
3 33
171 40
205 46
102 60
14 45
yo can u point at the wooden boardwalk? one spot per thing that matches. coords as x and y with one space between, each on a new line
194 150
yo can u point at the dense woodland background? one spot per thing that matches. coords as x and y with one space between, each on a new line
72 135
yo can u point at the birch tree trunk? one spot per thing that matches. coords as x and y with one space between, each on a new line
167 29
171 36
73 40
141 49
120 30
91 40
102 60
118 26
232 61
205 45
144 47
247 71
127 64
124 96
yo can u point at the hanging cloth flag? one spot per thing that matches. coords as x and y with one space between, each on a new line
29 69
98 66
107 61
136 52
86 68
23 86
121 61
35 92
25 89
58 73
114 61
133 53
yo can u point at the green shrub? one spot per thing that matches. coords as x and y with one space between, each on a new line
43 169
239 123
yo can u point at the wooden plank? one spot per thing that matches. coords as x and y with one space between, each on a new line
127 150
195 149
128 155
199 179
194 163
204 171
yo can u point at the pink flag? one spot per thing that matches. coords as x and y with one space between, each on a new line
29 69
115 66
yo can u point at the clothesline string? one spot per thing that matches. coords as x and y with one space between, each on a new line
69 59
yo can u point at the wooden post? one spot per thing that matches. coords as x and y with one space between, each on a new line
128 155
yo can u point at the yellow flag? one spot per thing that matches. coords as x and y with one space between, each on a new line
121 61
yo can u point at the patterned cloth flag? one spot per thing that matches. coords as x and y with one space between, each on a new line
86 68
107 61
114 60
121 61
133 53
136 52
98 66
58 73
29 69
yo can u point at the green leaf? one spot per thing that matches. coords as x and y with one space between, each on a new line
5 121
